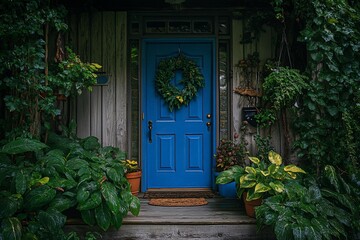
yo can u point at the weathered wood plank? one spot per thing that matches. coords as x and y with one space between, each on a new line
96 94
108 94
220 219
83 101
121 81
199 232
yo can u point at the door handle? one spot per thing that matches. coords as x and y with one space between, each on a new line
208 124
150 131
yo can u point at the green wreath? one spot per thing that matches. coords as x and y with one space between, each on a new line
192 81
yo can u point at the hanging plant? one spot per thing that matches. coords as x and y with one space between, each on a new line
192 80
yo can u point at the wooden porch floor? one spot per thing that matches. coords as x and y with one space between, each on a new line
220 219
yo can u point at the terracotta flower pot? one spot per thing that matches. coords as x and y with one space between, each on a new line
134 180
250 205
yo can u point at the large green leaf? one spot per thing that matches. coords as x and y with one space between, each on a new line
82 195
52 220
247 184
345 185
103 216
21 181
76 164
116 220
312 233
11 229
330 174
321 225
251 195
62 203
92 202
283 230
22 145
134 205
88 216
38 197
109 192
9 205
55 159
315 193
115 174
225 177
299 232
337 227
91 143
261 188
56 182
277 186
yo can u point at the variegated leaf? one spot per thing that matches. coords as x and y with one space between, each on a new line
275 158
260 188
294 169
255 160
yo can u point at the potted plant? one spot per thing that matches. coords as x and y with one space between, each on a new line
229 153
133 175
260 179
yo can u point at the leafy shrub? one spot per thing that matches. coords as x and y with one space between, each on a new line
281 89
262 178
39 184
313 210
228 154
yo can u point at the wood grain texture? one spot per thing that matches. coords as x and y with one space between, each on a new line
108 94
121 80
83 101
96 57
219 219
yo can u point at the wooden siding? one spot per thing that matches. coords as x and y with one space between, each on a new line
101 37
265 47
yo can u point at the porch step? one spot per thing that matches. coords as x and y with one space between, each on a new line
219 219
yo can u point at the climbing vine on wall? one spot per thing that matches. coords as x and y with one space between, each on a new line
332 35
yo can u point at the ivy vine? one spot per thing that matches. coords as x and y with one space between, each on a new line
332 35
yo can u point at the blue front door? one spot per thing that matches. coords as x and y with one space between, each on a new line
177 151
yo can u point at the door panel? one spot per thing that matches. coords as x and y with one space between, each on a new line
179 155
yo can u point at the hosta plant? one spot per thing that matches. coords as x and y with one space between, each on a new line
39 185
262 177
324 209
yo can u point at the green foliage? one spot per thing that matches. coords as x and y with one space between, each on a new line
313 210
71 76
281 89
22 55
261 178
192 80
325 122
29 79
230 153
40 183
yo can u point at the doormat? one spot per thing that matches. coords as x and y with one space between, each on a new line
178 202
179 194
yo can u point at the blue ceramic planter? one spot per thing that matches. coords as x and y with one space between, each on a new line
228 190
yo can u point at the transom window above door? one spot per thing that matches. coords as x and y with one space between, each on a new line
178 25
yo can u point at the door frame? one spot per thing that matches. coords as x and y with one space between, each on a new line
143 127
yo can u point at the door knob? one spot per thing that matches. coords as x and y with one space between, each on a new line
150 131
208 116
208 124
